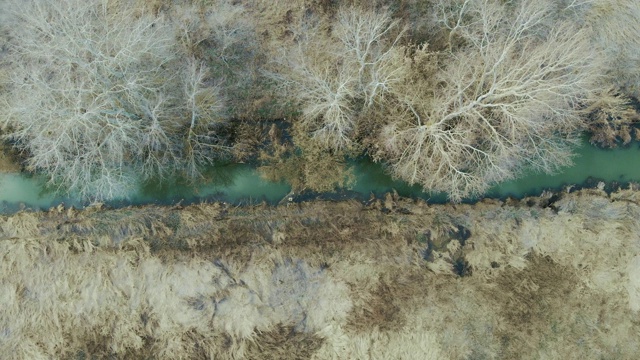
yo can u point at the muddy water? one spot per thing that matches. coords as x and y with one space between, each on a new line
239 183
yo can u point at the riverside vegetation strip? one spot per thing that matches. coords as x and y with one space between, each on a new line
550 277
451 95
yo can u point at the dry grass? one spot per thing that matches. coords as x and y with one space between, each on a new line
325 281
7 163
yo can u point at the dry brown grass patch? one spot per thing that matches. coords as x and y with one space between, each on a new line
283 343
531 301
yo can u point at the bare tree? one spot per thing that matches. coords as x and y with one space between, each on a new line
615 28
368 38
507 94
333 76
205 105
101 90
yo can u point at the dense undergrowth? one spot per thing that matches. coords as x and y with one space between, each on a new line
453 95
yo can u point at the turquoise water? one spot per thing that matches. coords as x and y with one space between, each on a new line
620 165
235 183
240 183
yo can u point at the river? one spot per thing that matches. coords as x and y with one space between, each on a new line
239 183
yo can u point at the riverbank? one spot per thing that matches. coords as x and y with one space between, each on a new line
547 277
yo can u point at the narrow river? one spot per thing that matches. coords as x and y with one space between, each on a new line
239 183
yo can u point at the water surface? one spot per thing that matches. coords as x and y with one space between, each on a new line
240 183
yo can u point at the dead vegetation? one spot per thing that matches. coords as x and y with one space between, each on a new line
325 280
453 95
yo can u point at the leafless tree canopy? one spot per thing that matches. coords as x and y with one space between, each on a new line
616 32
506 94
102 93
102 89
334 77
